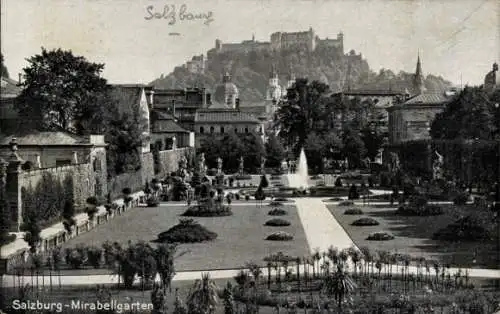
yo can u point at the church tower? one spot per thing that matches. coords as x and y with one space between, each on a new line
418 79
274 89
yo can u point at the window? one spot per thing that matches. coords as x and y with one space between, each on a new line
212 129
222 129
202 129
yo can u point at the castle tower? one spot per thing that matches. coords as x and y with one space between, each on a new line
418 79
340 39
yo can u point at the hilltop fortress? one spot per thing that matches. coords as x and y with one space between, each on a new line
278 41
283 40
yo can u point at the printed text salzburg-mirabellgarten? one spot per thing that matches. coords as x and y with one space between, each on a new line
169 13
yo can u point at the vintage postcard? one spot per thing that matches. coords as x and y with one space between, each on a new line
250 156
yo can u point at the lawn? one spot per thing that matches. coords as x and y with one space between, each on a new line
240 236
414 235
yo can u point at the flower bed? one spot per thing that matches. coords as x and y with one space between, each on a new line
187 231
208 210
280 236
277 222
353 211
277 212
380 236
365 221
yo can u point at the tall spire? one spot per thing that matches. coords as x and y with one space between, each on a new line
418 79
273 73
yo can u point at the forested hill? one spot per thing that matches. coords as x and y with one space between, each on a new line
250 72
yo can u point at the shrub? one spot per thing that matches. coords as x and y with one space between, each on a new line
127 191
280 236
237 196
93 201
365 221
259 194
91 211
277 212
380 236
315 177
203 210
336 199
187 231
277 222
353 192
468 228
461 198
263 181
247 197
94 255
76 257
346 203
338 182
354 211
152 201
128 199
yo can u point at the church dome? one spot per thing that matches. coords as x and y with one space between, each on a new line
227 92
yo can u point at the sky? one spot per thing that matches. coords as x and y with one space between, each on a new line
458 40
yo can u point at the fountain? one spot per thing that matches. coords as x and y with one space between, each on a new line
300 179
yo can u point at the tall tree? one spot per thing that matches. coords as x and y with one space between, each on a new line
203 297
3 69
302 111
62 91
275 151
464 133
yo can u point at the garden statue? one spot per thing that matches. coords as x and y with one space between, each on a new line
182 167
242 165
174 142
219 165
262 165
284 166
437 167
202 166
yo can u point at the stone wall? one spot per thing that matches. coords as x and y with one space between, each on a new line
169 159
132 180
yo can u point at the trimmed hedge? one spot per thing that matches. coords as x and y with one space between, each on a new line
277 212
280 236
365 221
187 231
380 236
354 211
277 222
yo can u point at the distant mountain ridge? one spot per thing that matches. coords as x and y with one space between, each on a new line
250 71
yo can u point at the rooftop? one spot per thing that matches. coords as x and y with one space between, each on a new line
9 88
224 115
46 139
428 99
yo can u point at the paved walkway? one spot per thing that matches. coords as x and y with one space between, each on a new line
322 231
321 228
